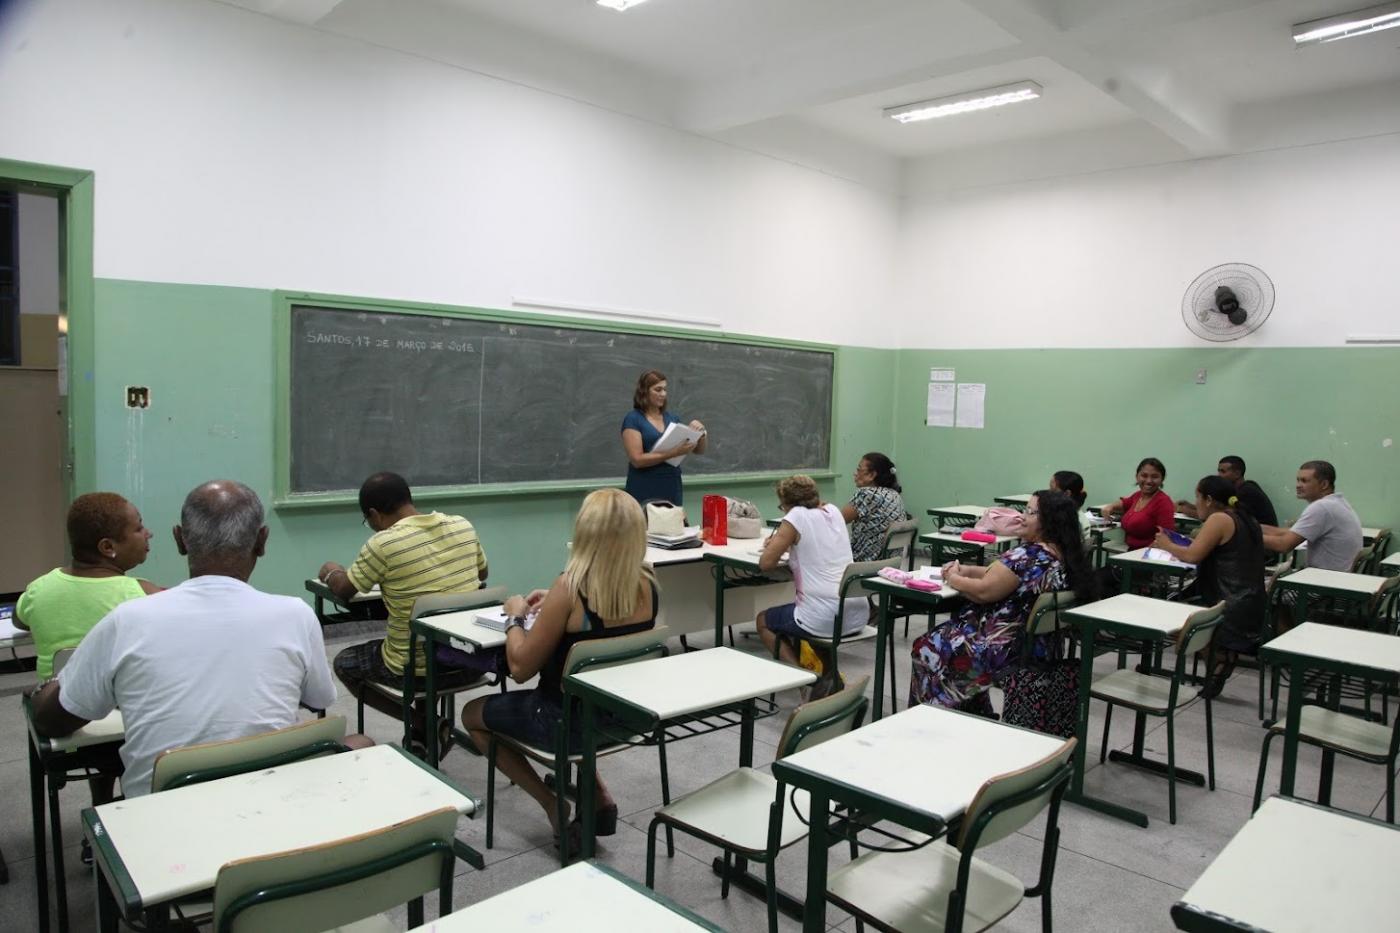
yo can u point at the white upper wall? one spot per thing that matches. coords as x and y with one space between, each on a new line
234 149
1102 259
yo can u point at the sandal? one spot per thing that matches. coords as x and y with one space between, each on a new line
1215 680
604 821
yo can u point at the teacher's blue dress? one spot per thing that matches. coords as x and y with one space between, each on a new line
662 481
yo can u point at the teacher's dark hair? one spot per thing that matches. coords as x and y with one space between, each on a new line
883 468
1059 526
385 492
1152 462
1072 485
644 383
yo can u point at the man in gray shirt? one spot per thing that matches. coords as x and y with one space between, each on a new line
1329 524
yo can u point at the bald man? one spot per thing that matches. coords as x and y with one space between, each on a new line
208 660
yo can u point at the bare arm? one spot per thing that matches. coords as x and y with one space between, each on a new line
337 581
1208 538
1112 508
50 718
1186 508
778 542
848 512
704 438
993 585
1281 540
528 652
632 444
148 587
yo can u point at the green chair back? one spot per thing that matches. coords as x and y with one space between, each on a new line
328 886
1199 629
858 571
619 649
815 722
194 764
899 542
436 603
1009 801
1361 563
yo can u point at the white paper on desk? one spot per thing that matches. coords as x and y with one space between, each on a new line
496 619
930 573
1156 553
8 629
941 397
972 402
676 435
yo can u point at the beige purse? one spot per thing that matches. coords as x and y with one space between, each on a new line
665 518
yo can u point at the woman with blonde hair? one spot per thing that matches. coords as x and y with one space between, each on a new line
604 591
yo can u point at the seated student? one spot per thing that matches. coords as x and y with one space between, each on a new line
954 663
208 660
1253 499
1072 484
876 506
814 535
606 590
1146 510
1228 552
1329 524
410 554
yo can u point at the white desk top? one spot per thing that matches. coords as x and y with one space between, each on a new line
173 843
110 728
462 626
745 549
1021 497
314 584
966 511
1371 650
579 899
955 537
926 758
1369 534
1392 561
1135 611
880 584
1264 879
1360 583
695 680
1140 557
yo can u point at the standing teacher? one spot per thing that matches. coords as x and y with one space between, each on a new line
649 476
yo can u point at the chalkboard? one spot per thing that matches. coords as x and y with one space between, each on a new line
450 400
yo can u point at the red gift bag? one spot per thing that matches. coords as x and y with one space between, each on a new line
714 526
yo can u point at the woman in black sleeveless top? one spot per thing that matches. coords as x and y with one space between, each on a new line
1228 552
604 591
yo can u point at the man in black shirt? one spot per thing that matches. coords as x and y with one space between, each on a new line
1253 499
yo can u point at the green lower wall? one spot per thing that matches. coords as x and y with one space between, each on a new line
206 354
1101 411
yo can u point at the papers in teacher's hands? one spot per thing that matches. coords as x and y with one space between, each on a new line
496 619
676 435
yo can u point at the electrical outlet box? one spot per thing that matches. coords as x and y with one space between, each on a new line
138 397
1200 377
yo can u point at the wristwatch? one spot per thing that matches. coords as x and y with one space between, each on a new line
515 622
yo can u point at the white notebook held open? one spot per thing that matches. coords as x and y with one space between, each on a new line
675 435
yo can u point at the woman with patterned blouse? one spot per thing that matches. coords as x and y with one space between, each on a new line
955 663
876 505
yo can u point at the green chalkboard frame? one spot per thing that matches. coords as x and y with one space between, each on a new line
283 301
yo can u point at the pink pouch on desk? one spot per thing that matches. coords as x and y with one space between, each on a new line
925 586
979 536
894 574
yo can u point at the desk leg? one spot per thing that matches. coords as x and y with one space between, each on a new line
60 879
718 571
1127 578
1076 788
106 905
1296 672
1333 701
587 781
41 856
882 635
430 700
814 914
746 736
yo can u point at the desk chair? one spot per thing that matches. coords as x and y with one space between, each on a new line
1161 696
943 885
742 812
850 577
342 886
409 694
594 653
195 764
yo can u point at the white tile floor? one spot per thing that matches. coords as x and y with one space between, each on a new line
1109 876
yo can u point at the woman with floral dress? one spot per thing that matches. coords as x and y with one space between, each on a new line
875 506
955 663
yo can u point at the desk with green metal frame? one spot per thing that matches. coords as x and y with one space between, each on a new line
457 629
948 544
1129 617
895 596
360 607
684 695
1262 881
919 769
1390 566
1018 501
1137 562
734 566
49 763
151 850
1314 583
552 904
1334 650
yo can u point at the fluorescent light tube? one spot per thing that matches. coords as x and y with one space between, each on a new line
1347 25
965 103
619 5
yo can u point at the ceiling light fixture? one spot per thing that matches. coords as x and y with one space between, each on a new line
1347 25
965 103
619 5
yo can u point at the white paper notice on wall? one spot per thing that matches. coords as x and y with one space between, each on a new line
942 375
972 404
941 396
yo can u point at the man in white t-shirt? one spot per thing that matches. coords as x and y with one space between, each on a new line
1329 524
208 660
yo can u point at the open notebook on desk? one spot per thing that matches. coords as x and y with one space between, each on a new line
496 619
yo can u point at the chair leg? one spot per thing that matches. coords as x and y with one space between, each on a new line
1210 748
1263 766
724 881
1107 718
651 852
894 679
770 879
1390 791
490 790
665 790
360 713
1171 768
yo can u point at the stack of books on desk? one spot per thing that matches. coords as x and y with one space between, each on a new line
689 537
496 619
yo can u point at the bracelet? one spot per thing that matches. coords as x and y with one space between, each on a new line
327 578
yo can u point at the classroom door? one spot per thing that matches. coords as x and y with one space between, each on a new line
33 407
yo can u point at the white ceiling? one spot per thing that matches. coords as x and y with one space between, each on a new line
1188 72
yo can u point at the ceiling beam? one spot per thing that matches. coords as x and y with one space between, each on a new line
305 12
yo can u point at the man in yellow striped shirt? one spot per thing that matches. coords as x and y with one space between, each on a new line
411 554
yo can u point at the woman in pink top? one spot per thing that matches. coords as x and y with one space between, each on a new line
1146 510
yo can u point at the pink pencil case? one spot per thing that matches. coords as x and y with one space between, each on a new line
894 574
979 536
926 586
